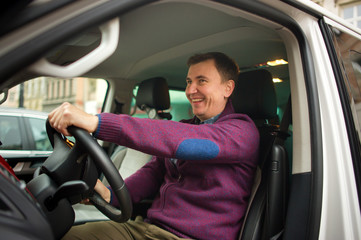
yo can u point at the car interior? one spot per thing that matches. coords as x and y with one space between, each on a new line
147 48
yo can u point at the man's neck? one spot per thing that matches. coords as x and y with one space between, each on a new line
210 120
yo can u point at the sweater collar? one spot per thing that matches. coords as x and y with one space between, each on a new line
228 109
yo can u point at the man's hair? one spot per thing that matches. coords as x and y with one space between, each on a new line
226 66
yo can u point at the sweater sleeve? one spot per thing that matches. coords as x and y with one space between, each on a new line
230 139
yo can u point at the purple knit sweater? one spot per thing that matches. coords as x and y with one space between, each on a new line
203 196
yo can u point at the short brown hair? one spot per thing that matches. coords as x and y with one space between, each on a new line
226 66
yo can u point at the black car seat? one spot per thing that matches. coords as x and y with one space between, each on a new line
255 96
153 98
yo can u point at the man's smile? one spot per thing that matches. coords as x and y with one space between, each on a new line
195 100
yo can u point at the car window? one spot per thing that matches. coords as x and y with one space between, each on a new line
40 136
46 93
348 50
10 133
38 97
180 107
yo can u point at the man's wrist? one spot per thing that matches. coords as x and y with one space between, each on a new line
97 125
110 195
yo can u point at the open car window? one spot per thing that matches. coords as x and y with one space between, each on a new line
45 93
23 115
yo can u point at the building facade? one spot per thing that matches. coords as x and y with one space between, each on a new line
350 10
44 94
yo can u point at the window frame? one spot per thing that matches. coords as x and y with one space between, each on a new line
354 142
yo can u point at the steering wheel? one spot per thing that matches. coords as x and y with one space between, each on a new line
86 144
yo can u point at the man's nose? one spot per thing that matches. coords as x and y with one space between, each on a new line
191 88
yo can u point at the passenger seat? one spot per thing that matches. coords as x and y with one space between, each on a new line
153 98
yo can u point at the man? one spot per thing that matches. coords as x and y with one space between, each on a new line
202 170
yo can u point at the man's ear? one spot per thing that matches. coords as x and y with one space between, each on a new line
229 88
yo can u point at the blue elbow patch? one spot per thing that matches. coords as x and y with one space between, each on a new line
197 149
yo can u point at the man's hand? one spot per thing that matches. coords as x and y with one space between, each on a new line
102 190
68 115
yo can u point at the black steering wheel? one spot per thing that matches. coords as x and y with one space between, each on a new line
61 165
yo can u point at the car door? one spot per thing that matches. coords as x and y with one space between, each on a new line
25 144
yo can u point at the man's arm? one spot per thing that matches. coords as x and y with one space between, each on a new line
232 138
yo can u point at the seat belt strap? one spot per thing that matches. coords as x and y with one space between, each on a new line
285 123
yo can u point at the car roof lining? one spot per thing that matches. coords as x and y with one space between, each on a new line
142 54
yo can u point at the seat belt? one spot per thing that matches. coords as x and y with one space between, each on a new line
285 123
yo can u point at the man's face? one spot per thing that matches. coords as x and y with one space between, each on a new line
205 90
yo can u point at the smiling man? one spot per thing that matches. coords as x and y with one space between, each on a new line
208 88
202 171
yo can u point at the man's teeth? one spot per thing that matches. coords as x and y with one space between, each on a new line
196 100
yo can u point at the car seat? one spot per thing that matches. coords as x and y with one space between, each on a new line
152 97
255 96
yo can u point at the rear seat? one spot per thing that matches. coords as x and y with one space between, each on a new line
153 98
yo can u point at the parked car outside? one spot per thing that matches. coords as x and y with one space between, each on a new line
25 143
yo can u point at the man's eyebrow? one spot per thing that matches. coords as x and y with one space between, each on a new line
198 77
201 76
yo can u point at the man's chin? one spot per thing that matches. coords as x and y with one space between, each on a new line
199 116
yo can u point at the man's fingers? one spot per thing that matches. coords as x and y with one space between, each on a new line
60 117
68 115
86 201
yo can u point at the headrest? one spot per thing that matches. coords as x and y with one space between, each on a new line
255 95
153 93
